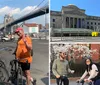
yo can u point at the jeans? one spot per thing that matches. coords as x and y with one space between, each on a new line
97 82
62 79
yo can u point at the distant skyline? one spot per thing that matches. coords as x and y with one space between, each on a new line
91 7
18 8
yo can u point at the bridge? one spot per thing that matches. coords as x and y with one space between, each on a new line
42 11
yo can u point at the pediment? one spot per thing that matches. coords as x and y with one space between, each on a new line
75 12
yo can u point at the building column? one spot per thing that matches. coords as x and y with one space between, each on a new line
73 22
69 22
64 22
77 23
84 23
81 22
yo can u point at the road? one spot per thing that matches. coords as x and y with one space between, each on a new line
39 66
75 39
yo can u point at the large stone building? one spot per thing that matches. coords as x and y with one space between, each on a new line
73 18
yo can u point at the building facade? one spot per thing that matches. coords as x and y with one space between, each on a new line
31 28
73 17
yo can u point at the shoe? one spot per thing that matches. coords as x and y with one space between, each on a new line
34 82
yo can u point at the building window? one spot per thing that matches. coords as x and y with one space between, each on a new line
87 27
53 20
98 23
87 22
53 25
91 23
95 23
91 27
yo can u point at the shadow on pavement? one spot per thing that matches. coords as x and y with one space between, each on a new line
45 80
15 82
5 83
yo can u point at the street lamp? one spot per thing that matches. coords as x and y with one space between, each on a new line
44 10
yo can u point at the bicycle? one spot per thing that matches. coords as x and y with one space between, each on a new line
16 72
2 64
4 75
83 83
62 80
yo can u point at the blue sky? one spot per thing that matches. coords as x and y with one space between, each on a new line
18 8
92 7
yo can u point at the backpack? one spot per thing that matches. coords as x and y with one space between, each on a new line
98 76
98 66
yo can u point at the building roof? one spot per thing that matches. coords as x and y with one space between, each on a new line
55 13
71 6
31 24
92 17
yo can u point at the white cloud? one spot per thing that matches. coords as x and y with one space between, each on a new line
28 9
4 10
13 11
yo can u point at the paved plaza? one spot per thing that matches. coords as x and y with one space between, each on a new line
39 66
71 83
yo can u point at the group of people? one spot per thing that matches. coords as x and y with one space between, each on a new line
61 69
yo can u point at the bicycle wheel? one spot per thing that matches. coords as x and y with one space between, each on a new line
19 76
2 64
4 75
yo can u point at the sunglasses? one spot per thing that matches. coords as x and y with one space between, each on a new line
87 61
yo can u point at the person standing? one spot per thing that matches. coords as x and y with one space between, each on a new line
23 53
61 68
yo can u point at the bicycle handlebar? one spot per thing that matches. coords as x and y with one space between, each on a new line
18 59
21 59
89 83
82 81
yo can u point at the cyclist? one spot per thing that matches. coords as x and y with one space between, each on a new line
93 71
61 68
23 51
